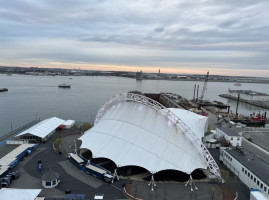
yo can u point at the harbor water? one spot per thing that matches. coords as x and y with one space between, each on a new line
33 97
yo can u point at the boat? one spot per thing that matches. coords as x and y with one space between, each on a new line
64 85
3 89
254 120
237 84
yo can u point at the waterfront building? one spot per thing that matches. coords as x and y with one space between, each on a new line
250 164
69 124
41 131
230 135
139 75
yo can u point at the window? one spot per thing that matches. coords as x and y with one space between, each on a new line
238 138
258 182
248 174
245 171
231 138
48 183
254 180
261 185
231 159
242 169
265 188
251 177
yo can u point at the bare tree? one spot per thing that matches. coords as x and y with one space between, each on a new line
212 192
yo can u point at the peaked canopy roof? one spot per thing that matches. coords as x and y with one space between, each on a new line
50 175
43 128
135 134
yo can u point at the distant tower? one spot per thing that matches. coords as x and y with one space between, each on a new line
139 75
159 73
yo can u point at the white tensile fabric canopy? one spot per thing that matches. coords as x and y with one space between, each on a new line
131 133
43 128
19 194
197 123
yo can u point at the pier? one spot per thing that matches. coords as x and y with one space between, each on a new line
14 132
254 103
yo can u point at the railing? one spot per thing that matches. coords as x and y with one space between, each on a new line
17 142
180 125
13 132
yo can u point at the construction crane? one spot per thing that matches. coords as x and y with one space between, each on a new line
204 88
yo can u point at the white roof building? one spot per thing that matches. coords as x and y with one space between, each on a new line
44 128
69 123
133 130
19 194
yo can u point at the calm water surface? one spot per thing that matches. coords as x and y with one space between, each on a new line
31 97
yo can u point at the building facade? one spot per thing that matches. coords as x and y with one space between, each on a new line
250 170
229 135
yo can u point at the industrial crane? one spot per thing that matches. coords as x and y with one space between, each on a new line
204 88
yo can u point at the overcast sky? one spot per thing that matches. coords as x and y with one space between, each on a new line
229 37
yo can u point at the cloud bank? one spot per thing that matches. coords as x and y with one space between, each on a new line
225 37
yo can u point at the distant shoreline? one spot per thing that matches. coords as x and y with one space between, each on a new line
166 79
202 80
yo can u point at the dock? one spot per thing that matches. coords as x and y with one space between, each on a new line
14 132
254 103
214 104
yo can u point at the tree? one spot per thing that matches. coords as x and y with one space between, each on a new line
86 126
225 175
129 172
56 145
212 192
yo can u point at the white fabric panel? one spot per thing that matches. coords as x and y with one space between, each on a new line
69 123
134 134
19 194
43 128
197 123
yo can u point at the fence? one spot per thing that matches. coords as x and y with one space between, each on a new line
9 134
17 142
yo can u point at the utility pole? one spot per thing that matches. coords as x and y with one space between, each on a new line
197 93
194 93
236 112
204 88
